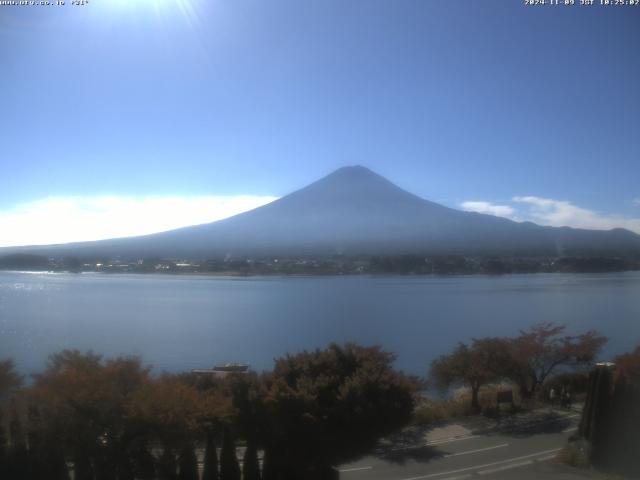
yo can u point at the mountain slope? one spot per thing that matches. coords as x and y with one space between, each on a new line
355 211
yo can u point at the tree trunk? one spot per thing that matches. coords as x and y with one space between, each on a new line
475 402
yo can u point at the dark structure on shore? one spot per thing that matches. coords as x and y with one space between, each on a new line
610 424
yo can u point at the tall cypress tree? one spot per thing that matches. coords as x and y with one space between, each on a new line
82 468
167 467
3 449
188 463
54 465
143 463
229 468
124 465
18 456
210 459
251 466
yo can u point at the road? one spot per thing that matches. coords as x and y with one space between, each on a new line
519 451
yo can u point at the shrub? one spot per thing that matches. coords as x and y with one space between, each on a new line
575 454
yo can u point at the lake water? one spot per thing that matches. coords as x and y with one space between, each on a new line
184 322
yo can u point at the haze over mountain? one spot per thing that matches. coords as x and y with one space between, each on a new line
355 211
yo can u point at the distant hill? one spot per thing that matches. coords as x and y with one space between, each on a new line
356 211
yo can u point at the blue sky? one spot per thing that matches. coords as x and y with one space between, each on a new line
527 112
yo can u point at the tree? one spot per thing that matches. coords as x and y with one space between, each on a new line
143 462
250 464
543 348
229 468
167 466
9 379
472 366
18 455
82 468
330 406
83 401
210 471
251 419
188 463
46 457
628 365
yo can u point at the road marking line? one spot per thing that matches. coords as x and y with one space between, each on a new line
475 451
449 440
570 429
505 467
475 467
460 477
432 443
354 469
547 457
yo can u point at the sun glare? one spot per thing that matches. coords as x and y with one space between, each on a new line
163 9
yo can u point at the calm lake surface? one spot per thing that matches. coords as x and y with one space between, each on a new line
184 322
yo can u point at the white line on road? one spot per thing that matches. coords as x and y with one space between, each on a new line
546 457
460 477
432 443
505 467
354 469
570 429
449 440
476 451
476 467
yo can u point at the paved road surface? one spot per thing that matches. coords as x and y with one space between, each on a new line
523 452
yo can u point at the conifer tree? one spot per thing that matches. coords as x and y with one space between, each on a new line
210 459
167 467
143 463
229 468
188 463
251 466
82 468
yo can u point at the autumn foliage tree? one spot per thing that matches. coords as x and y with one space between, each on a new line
527 359
83 401
544 348
471 365
628 365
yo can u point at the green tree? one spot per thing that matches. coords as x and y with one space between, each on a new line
331 406
167 467
82 468
18 455
143 462
229 468
188 463
250 464
210 471
10 382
